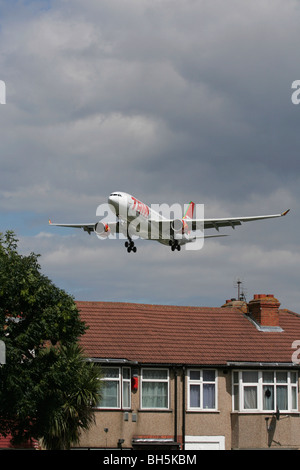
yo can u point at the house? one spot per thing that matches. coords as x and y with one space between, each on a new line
194 377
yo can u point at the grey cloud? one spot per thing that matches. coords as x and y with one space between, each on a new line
169 100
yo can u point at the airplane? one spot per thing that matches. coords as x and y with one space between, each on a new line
135 218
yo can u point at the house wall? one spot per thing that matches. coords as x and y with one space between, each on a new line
140 423
239 430
253 431
217 423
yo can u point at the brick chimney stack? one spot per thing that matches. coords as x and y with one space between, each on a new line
264 309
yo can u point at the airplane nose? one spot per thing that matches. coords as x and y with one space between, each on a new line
114 201
119 202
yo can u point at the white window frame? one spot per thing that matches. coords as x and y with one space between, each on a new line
155 380
126 382
261 385
201 382
121 383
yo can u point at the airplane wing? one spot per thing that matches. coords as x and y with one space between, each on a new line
167 227
86 227
227 222
101 229
203 224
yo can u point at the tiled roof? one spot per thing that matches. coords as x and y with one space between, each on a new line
159 334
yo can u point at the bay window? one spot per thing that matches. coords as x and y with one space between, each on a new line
265 390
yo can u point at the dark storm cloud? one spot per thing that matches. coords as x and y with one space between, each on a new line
169 100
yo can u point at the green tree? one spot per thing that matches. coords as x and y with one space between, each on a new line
47 388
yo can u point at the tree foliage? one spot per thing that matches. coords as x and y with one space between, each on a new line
47 388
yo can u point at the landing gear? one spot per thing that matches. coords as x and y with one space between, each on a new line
130 246
174 245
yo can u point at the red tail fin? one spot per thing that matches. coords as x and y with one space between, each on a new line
190 211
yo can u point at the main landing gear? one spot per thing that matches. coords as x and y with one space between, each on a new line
130 246
174 245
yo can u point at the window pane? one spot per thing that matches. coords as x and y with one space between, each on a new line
151 374
126 373
208 395
294 377
268 377
195 375
236 397
250 398
282 401
268 397
110 395
155 395
111 372
250 376
294 398
209 375
126 394
195 396
281 377
236 377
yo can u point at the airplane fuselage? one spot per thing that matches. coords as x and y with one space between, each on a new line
140 217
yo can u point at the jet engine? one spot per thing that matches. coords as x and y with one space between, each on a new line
102 230
179 225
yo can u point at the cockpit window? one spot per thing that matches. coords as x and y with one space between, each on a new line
116 194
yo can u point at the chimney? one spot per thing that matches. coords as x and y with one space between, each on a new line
233 303
264 310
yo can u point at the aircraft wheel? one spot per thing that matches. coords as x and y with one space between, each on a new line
178 247
134 249
129 249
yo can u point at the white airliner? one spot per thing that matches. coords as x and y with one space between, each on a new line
136 219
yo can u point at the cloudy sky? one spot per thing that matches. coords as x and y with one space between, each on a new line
169 100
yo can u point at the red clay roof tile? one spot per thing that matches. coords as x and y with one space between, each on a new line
161 334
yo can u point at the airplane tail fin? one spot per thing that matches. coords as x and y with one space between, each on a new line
190 211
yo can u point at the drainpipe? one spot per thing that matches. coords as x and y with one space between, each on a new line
175 399
183 408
